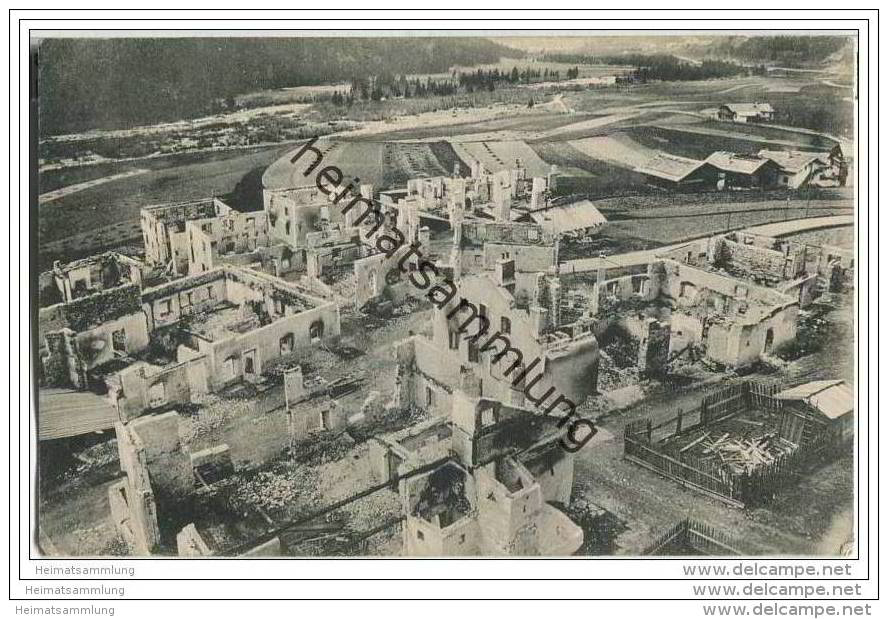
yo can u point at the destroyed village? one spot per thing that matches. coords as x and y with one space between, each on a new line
457 296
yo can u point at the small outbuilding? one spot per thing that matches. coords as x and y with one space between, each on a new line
822 406
746 112
673 172
738 171
797 168
578 218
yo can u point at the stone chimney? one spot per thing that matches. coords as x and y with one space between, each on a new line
502 202
536 194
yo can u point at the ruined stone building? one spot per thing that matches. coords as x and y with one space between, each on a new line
732 321
213 329
786 266
90 275
161 483
238 320
193 237
480 245
505 329
230 237
492 479
163 231
98 319
157 475
482 193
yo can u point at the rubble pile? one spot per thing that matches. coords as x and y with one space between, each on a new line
211 415
614 374
321 448
273 490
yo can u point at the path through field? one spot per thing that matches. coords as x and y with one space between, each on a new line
49 196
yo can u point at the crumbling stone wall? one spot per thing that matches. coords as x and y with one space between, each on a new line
154 441
507 518
190 543
158 476
440 510
752 260
266 341
553 469
425 377
179 384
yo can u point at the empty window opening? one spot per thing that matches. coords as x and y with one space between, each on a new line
769 340
287 343
156 395
228 368
250 362
316 331
118 340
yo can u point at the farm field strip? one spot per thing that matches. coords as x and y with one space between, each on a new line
620 150
102 205
737 135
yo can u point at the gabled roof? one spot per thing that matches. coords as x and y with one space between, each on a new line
733 162
750 109
670 167
794 160
569 217
833 398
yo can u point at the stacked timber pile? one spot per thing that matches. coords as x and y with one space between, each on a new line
744 455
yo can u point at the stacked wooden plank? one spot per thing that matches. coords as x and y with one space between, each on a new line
744 455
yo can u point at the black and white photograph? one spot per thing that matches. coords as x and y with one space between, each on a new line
431 296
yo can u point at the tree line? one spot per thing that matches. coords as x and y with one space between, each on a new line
386 85
664 67
112 83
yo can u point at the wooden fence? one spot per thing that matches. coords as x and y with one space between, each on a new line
692 472
642 446
692 537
